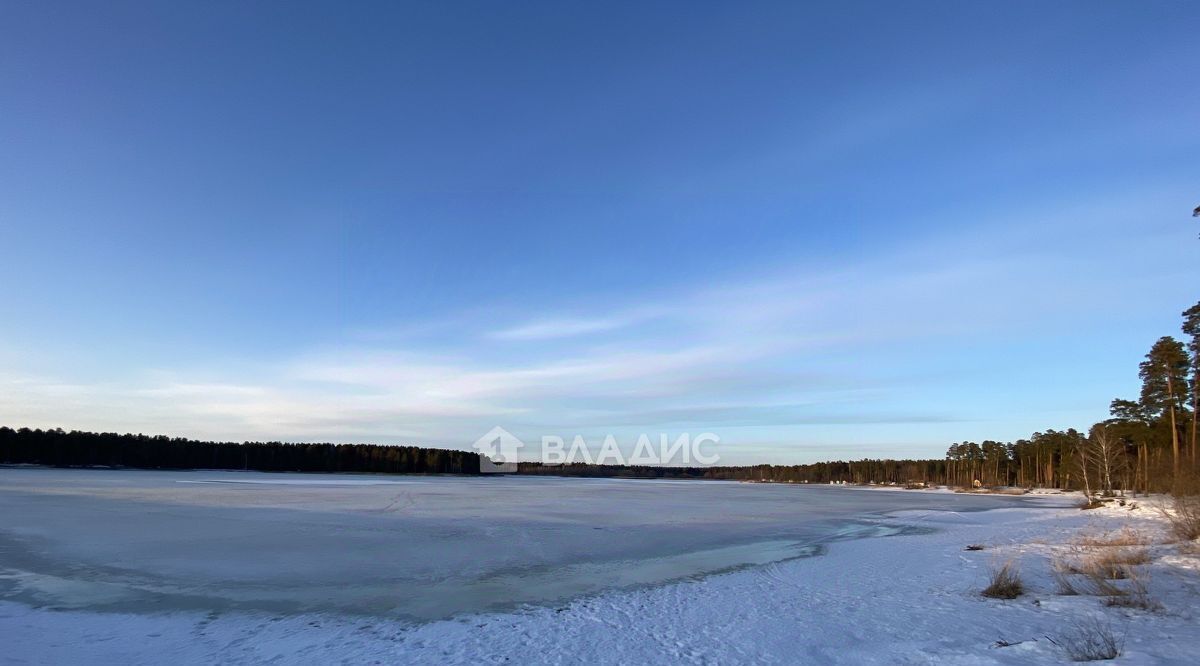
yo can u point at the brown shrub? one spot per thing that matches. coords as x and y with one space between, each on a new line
1183 516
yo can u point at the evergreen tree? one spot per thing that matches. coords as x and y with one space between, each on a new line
1191 327
1164 386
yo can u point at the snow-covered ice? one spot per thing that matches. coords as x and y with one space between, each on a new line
418 548
150 567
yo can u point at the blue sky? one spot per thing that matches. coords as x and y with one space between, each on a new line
818 230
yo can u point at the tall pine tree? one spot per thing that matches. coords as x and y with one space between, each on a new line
1164 386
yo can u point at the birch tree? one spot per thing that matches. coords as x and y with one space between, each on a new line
1108 456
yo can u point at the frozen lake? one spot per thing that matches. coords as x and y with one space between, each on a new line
411 547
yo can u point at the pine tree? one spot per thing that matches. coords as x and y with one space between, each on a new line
1164 384
1191 327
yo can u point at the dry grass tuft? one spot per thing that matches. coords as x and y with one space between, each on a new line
1004 582
1108 563
1125 536
1091 640
1116 564
1107 566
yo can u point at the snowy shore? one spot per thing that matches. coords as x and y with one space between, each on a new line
901 599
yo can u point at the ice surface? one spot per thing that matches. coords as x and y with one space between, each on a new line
225 563
410 547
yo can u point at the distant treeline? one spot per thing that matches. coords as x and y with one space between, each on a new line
859 471
89 449
59 448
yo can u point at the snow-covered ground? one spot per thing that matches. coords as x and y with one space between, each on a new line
911 597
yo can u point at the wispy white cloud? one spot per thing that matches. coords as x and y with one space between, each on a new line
558 328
